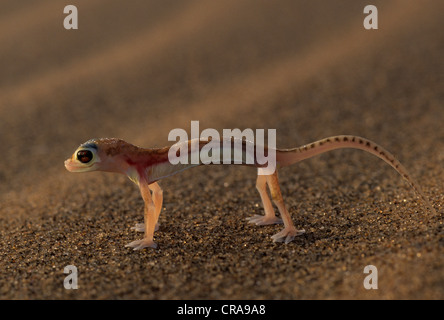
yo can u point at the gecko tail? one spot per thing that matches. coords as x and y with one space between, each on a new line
286 157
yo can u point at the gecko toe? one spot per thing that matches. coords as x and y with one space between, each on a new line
287 235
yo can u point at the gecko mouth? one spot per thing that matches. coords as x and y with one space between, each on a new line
76 167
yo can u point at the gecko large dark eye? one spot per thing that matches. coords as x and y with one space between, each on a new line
84 156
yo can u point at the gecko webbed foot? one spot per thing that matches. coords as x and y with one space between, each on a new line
287 235
140 227
261 220
140 244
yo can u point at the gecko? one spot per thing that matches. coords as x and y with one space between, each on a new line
146 166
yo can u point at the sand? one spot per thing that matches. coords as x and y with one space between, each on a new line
136 71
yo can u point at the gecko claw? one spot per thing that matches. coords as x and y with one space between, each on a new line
261 220
140 244
287 235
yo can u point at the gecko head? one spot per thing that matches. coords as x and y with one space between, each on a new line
85 158
103 154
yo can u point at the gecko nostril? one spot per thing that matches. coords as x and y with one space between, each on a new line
84 156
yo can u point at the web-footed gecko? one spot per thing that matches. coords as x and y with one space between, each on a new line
146 166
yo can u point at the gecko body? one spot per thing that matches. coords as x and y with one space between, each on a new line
145 167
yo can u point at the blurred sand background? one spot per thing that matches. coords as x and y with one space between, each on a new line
137 69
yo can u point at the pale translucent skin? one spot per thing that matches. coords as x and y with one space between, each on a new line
146 166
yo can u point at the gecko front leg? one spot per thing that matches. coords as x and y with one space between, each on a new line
157 194
150 219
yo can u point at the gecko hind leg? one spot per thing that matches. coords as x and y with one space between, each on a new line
289 232
269 217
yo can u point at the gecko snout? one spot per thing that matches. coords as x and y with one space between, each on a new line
68 165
